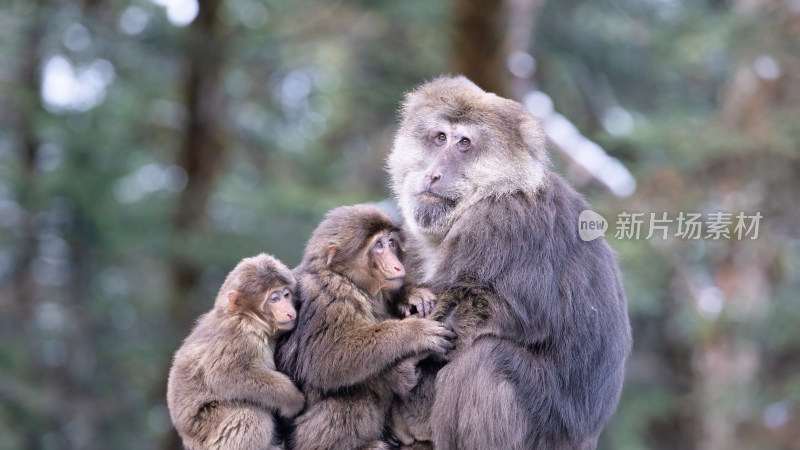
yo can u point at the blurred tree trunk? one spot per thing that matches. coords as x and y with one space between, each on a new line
26 106
478 43
200 157
202 147
522 16
676 427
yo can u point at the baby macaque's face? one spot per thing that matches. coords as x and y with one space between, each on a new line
383 256
278 305
274 309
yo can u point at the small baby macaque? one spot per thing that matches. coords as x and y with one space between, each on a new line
223 387
350 353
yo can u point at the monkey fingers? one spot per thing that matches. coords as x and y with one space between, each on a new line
423 300
443 341
404 376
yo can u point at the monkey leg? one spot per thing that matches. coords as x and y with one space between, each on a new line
409 415
478 402
244 427
343 422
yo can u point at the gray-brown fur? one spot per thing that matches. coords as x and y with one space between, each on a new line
541 317
409 415
223 387
348 353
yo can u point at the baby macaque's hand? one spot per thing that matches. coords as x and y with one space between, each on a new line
294 403
404 376
420 301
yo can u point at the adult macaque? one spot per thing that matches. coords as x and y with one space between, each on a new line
223 386
540 315
348 353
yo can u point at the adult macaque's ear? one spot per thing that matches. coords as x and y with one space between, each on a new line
235 300
534 137
331 253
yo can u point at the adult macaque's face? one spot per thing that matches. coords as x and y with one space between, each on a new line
456 145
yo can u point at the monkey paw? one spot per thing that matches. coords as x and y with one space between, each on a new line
437 337
421 301
293 406
404 376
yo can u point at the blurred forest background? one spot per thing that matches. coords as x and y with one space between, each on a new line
147 145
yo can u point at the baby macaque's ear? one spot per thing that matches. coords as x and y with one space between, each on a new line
331 253
235 300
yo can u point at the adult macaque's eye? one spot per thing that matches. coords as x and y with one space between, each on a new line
391 242
379 245
440 139
463 144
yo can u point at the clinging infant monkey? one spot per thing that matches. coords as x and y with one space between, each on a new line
350 353
223 386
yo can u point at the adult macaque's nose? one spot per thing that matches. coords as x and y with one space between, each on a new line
432 177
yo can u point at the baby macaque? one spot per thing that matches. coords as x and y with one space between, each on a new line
350 352
223 386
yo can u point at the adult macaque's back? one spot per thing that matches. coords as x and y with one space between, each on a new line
540 315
